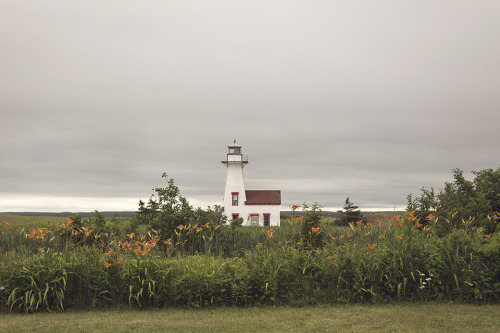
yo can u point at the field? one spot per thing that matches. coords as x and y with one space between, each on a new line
195 261
426 317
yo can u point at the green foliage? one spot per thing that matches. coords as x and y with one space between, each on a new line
204 262
475 201
400 260
350 214
164 213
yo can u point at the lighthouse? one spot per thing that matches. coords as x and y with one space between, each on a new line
256 207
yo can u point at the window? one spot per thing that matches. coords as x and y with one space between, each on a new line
267 219
234 198
235 216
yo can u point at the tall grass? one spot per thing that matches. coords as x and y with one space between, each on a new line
55 268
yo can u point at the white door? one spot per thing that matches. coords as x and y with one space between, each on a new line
254 220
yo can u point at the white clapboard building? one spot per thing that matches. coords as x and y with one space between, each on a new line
256 207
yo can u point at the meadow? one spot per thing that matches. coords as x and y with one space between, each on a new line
76 263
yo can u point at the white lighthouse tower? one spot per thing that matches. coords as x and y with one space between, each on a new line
257 208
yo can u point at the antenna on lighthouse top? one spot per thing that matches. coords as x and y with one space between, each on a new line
234 141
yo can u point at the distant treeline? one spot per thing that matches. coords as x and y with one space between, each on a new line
129 214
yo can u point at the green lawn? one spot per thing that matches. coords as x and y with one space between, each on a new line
420 318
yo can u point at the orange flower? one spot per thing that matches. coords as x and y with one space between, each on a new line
315 230
206 225
487 236
6 223
118 261
87 231
271 232
294 207
76 232
109 253
398 225
300 218
400 236
396 218
349 235
180 227
480 229
430 217
107 264
168 241
41 249
199 229
359 222
371 247
418 225
382 236
131 235
496 217
380 222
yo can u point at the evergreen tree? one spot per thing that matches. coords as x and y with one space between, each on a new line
350 214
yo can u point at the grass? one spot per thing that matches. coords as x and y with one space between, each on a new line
405 317
35 220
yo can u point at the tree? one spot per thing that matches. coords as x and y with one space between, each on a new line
476 200
350 214
166 212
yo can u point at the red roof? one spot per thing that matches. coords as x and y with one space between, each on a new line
266 197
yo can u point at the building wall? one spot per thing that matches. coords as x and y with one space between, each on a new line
273 210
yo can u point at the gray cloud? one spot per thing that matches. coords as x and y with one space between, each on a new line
360 99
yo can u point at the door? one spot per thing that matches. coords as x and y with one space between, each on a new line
254 220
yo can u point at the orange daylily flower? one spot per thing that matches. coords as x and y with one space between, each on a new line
131 235
398 225
496 217
206 225
168 241
41 249
180 227
371 247
118 261
396 218
107 264
270 232
480 229
418 225
487 236
349 235
6 223
359 222
430 216
400 236
294 207
199 229
109 253
300 218
315 230
382 236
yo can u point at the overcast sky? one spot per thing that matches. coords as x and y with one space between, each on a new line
367 99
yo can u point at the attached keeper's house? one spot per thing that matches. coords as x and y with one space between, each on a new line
256 207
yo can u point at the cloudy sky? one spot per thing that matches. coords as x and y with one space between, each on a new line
367 99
